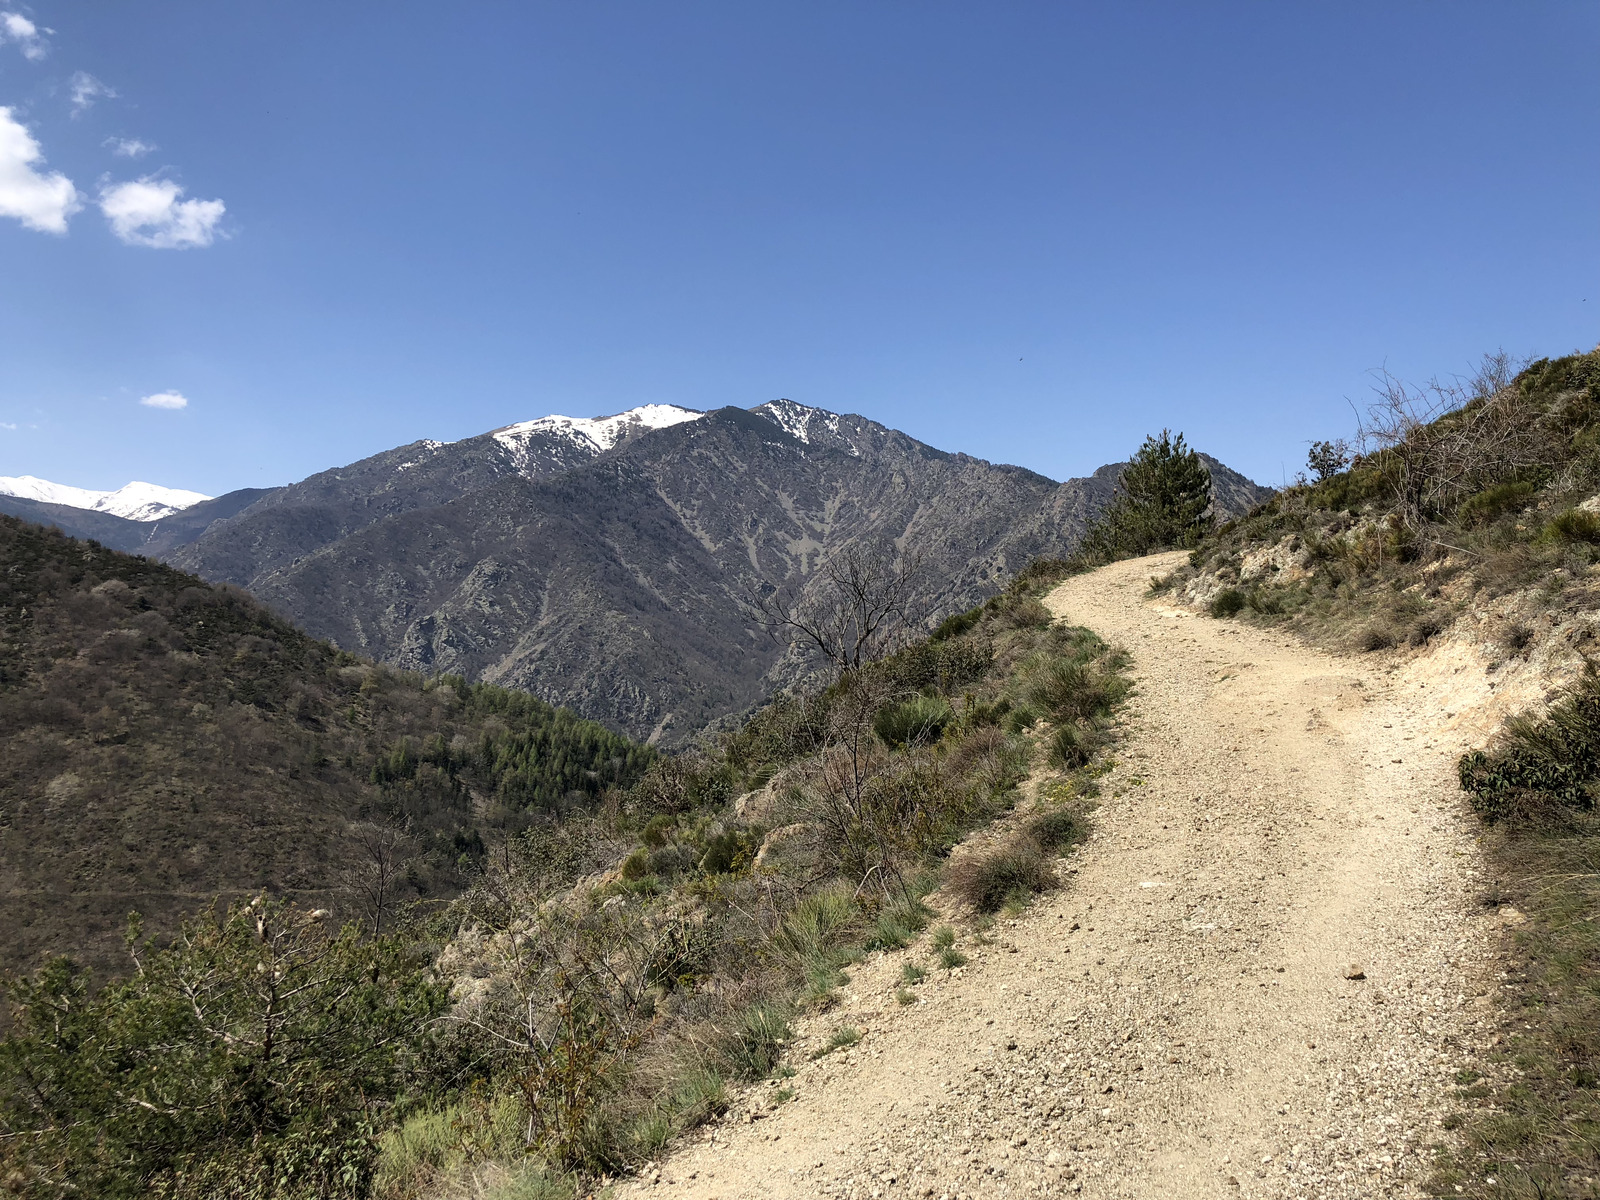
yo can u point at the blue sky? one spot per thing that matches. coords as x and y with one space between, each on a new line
1033 232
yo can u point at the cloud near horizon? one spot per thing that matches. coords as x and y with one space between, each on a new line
15 27
39 201
149 212
168 400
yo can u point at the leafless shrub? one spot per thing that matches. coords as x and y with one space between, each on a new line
378 876
1440 443
857 610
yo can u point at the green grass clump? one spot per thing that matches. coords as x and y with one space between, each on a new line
1574 525
905 996
754 1046
898 924
950 958
842 1039
918 721
911 973
1057 828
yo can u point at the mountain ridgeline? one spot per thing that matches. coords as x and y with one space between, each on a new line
611 565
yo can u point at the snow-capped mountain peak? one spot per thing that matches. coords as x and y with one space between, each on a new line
805 423
596 434
135 501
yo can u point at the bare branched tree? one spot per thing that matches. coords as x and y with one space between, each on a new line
1440 443
379 872
861 606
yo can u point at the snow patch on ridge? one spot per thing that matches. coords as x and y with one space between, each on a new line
800 420
134 501
595 434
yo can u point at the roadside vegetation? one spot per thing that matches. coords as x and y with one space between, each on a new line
622 954
1453 495
1474 501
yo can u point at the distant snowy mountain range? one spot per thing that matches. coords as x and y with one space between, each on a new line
133 501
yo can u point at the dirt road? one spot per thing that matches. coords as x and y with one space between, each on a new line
1177 1021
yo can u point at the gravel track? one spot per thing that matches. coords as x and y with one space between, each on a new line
1177 1020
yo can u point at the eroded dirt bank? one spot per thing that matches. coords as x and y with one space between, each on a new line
1177 1021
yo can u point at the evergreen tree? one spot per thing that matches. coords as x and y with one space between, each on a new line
1162 500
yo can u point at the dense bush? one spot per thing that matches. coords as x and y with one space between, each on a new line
1537 762
1229 602
255 1057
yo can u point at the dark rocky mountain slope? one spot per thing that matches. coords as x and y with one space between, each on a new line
163 740
618 579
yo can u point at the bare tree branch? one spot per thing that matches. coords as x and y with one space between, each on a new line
856 611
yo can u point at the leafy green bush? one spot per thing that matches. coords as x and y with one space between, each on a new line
1495 502
1229 602
251 1058
955 626
1537 762
917 721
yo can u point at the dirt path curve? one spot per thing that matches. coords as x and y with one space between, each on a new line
1177 1021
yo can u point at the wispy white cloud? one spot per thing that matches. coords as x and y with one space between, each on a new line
166 400
39 201
11 425
149 212
14 27
86 89
128 147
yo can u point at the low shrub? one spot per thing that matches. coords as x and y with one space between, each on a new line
1536 761
955 626
1376 636
918 721
986 881
1069 690
1494 502
1070 747
1229 602
1057 828
1427 626
1026 613
1574 525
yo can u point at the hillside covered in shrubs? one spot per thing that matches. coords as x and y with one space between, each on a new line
608 974
164 741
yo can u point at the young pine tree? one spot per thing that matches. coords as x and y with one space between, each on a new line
1162 500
